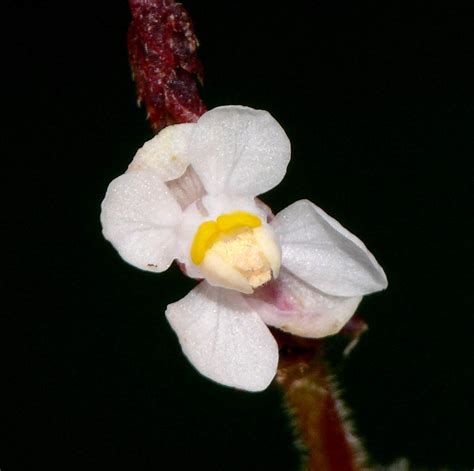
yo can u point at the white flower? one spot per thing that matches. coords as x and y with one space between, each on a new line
190 195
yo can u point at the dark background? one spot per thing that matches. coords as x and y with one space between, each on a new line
376 98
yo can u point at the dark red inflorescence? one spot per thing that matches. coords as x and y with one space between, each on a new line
162 52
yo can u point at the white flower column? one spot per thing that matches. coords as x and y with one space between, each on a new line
190 195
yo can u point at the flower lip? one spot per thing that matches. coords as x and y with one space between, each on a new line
225 226
236 251
207 210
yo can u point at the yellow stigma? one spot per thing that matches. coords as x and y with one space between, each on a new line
210 232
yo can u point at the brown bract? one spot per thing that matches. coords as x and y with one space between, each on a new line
162 52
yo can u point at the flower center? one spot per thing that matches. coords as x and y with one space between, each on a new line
210 232
236 251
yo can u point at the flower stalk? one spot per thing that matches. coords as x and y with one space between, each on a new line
319 418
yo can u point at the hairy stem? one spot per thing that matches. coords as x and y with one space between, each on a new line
318 416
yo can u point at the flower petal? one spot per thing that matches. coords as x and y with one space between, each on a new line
296 307
165 153
138 217
224 338
239 150
317 249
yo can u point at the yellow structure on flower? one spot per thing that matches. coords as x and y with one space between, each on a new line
210 232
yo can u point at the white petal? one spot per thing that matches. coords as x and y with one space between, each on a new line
317 249
239 150
224 338
165 153
296 307
139 217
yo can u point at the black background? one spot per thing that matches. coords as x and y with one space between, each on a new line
376 98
